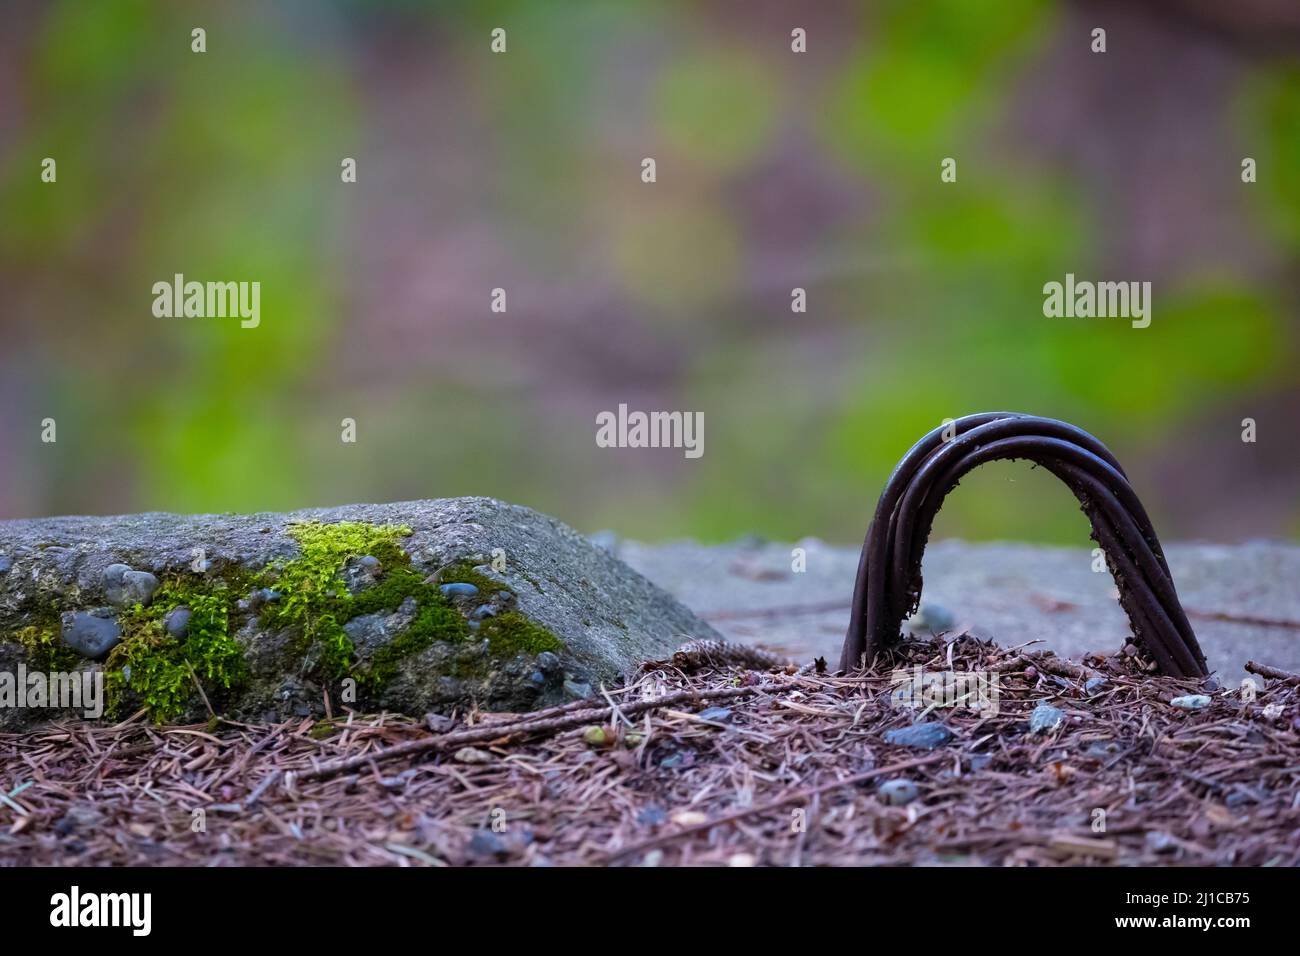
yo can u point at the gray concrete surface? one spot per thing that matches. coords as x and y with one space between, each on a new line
1243 601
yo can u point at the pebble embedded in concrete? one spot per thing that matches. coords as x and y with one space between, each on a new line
91 633
176 622
458 589
125 586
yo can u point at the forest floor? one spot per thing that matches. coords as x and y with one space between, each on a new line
700 763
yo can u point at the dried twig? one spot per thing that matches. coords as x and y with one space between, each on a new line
540 723
1273 673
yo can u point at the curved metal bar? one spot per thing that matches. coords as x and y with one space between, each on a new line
1042 450
1142 579
888 583
905 578
868 610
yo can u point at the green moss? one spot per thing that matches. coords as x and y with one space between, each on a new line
152 669
45 648
464 573
158 670
437 621
512 633
314 598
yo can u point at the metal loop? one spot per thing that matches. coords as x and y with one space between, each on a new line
888 586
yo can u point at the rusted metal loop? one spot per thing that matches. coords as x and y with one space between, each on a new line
1042 450
868 604
1140 575
888 585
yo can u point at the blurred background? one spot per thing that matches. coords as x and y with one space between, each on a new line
522 171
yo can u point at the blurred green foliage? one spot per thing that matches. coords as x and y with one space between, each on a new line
925 298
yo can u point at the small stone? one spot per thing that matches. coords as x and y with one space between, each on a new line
457 589
898 792
576 690
370 631
1191 702
1158 841
1130 650
548 661
980 761
114 582
6 563
485 843
438 723
361 573
482 611
176 622
537 677
262 597
125 586
925 736
1103 749
91 633
688 818
1212 684
473 755
681 760
715 713
931 619
651 815
1045 718
1094 685
77 817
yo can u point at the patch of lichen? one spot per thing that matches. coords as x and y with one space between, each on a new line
157 670
511 633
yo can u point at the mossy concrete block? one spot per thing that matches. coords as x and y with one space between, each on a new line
361 612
